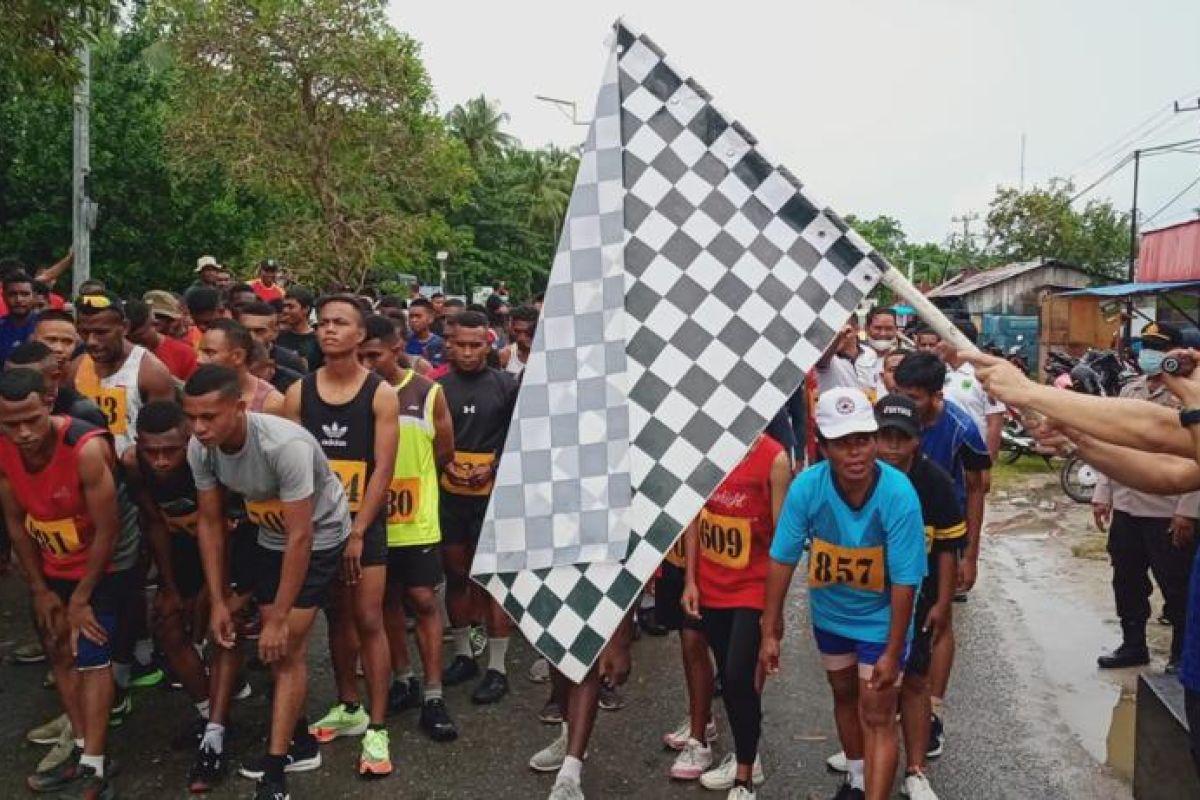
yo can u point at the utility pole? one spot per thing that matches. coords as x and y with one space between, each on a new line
83 210
967 239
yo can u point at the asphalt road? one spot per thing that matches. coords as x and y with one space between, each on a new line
1005 740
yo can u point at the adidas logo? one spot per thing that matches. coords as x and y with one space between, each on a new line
335 431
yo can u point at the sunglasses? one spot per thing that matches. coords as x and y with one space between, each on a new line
96 301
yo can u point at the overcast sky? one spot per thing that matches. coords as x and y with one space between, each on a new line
912 108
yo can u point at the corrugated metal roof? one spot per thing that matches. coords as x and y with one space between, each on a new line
964 284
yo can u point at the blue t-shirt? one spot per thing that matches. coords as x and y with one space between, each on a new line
13 336
1189 671
857 554
955 445
432 349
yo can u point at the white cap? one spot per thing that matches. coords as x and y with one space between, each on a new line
843 411
206 261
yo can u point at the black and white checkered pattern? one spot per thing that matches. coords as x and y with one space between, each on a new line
735 281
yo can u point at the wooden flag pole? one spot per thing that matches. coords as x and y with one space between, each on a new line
932 315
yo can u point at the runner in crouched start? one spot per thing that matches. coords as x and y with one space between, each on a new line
862 521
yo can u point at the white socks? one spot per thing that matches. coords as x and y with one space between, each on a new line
214 738
497 650
121 674
462 641
143 651
571 770
202 708
95 762
857 779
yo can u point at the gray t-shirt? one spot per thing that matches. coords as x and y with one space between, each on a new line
280 462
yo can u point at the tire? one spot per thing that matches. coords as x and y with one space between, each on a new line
1009 455
1078 479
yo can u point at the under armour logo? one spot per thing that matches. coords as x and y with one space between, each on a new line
468 409
334 431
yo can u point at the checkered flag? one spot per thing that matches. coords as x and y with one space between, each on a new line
694 286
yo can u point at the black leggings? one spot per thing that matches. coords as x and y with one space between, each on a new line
734 635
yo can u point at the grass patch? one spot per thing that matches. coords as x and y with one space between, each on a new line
1093 547
1005 474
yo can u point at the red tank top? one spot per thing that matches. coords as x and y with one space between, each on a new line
56 514
736 527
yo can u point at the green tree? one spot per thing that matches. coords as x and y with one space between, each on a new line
1042 223
324 107
930 262
478 124
40 39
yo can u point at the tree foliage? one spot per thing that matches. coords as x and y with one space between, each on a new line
40 39
1042 223
479 124
323 106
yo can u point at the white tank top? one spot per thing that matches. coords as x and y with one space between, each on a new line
515 365
122 422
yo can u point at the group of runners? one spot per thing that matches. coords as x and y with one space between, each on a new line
342 464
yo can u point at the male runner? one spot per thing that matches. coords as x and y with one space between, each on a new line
266 285
423 342
77 540
204 306
228 344
862 521
262 320
296 332
63 399
481 401
953 440
945 536
298 504
426 446
56 330
522 327
17 325
114 373
353 415
178 357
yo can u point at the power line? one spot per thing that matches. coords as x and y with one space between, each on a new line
1171 202
1112 171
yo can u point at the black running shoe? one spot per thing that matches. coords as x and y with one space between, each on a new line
303 755
436 722
461 670
268 790
493 687
937 737
207 771
404 695
845 792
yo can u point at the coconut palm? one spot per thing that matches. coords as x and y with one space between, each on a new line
478 124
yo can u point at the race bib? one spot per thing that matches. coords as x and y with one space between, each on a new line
462 465
855 567
353 475
403 500
725 540
58 537
676 554
266 514
112 406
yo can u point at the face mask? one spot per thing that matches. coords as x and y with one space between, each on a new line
882 344
1150 361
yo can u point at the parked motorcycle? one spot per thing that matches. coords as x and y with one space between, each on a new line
1078 479
1016 441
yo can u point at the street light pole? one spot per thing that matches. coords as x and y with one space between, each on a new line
83 212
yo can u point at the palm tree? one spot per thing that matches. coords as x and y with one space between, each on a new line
477 123
548 176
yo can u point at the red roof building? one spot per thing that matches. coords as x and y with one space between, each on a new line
1170 254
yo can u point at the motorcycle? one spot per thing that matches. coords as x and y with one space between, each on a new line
1016 441
1078 479
1101 373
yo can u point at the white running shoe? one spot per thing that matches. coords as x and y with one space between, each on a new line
692 761
916 787
721 777
566 790
550 758
837 762
539 671
739 793
678 738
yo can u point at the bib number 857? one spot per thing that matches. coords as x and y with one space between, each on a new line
855 567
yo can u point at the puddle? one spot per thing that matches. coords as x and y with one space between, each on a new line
1121 736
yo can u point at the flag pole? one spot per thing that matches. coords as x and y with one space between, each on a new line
903 289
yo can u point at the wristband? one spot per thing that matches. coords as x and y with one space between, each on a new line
1189 417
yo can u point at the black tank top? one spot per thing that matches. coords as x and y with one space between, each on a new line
345 432
481 405
175 496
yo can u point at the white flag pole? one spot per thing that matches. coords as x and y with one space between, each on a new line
901 287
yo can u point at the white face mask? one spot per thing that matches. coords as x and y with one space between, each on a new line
882 345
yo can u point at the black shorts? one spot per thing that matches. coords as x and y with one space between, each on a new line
189 568
109 599
920 652
461 518
375 546
243 558
668 591
415 565
322 570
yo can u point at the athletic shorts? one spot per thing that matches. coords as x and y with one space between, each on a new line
415 565
461 518
920 652
375 547
840 652
668 591
243 558
109 598
323 568
189 567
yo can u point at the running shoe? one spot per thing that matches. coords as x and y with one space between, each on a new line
375 761
121 709
207 771
539 671
837 762
550 758
340 721
145 676
436 722
916 787
63 747
678 738
566 790
303 756
49 732
722 776
648 622
266 790
29 653
846 792
58 776
404 695
550 714
478 637
937 738
87 785
610 699
244 691
491 689
461 670
692 762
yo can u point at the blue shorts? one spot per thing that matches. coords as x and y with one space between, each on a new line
108 601
839 652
